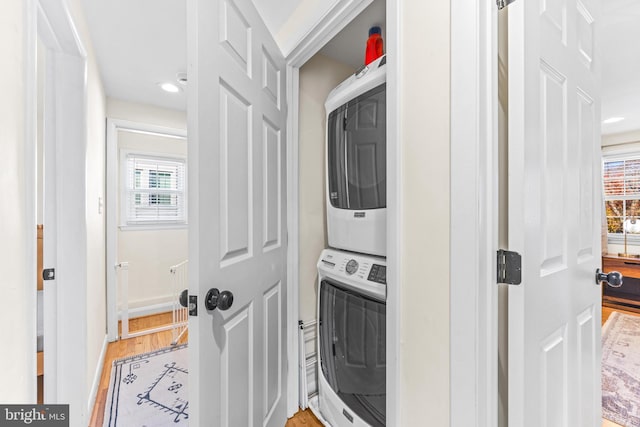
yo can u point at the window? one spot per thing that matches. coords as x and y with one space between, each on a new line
154 190
621 177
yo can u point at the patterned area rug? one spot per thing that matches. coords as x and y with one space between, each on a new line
149 390
621 369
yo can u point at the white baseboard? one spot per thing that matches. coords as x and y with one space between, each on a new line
96 379
148 310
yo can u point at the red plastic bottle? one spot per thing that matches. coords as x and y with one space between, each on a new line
375 45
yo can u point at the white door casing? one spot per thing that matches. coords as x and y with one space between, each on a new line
65 235
554 208
237 216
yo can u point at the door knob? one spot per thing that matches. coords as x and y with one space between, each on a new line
184 297
613 279
216 299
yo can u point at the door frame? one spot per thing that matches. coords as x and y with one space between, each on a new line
338 17
66 365
474 149
474 212
112 207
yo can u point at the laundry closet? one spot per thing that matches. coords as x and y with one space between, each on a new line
351 274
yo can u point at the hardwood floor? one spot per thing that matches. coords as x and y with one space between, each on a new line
303 419
150 342
606 312
130 347
159 340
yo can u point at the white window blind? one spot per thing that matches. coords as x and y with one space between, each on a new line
621 179
155 190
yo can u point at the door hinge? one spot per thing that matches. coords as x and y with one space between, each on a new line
503 3
509 267
193 305
49 274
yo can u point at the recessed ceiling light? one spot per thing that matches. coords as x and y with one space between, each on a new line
612 120
169 87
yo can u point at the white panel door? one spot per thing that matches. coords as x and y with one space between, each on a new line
554 213
237 223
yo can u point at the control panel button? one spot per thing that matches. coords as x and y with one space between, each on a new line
352 266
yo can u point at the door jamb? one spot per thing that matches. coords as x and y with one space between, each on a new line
66 55
473 351
338 17
474 211
113 127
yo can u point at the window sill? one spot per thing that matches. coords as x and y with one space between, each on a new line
152 227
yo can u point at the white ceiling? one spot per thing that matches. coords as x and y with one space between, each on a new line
621 65
276 17
142 43
139 44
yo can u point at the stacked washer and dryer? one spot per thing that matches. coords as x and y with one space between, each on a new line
352 272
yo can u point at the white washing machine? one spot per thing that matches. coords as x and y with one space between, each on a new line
352 294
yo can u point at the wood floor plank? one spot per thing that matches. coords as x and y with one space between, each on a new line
303 419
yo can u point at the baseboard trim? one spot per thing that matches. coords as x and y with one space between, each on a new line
148 310
97 377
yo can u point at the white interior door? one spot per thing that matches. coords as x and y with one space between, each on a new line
554 208
237 216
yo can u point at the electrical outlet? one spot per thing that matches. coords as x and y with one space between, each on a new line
100 205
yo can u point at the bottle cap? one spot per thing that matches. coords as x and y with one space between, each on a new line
375 30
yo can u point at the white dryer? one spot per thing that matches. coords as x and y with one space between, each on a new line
357 161
352 339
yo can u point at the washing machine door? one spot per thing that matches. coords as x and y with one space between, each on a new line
353 349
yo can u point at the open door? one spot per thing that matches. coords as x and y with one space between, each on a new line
554 213
237 217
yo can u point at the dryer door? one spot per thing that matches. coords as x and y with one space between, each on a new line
357 147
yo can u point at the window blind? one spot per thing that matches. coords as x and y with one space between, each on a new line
155 190
621 181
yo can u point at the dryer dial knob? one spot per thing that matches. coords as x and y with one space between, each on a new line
352 266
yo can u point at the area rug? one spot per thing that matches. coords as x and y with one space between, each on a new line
621 369
149 390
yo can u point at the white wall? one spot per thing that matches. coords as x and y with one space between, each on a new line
141 113
150 252
289 30
317 78
17 287
424 109
621 140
